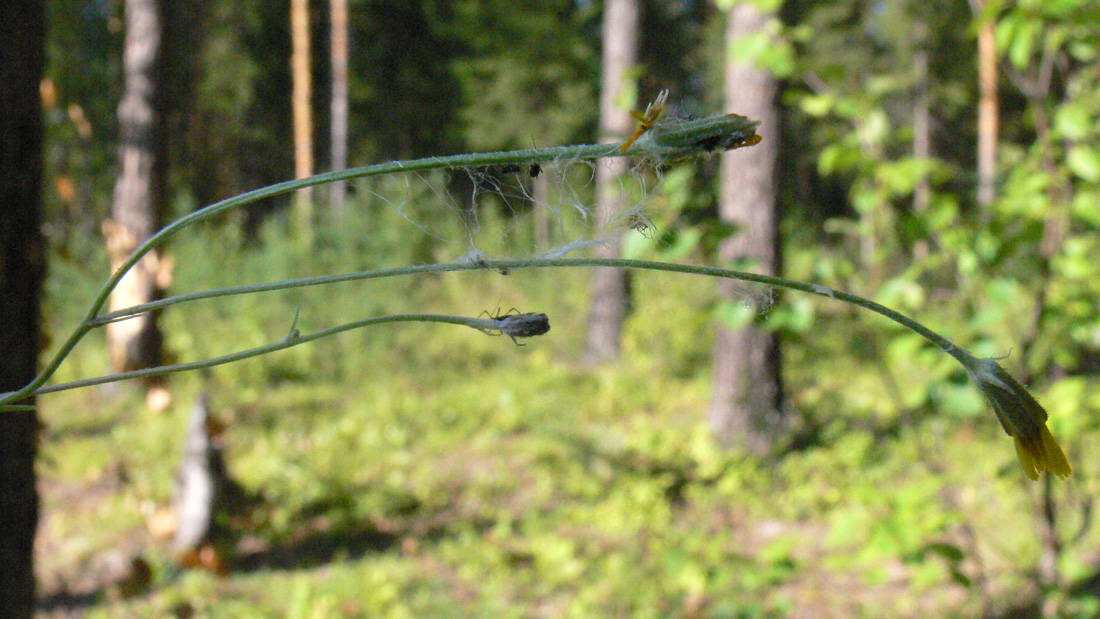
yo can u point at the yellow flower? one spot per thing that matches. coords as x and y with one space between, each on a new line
653 111
1021 417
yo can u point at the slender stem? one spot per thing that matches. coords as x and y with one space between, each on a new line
587 151
781 282
728 131
769 280
292 339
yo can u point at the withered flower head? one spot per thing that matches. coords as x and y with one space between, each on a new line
1021 417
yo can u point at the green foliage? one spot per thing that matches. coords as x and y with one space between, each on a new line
445 473
1013 275
525 95
454 474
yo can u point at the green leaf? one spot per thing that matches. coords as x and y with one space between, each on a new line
685 241
1006 30
1082 51
1084 207
874 127
1073 121
950 552
751 47
766 6
734 314
795 315
1084 161
816 105
779 59
1023 43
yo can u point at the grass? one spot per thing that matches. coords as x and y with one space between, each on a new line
430 471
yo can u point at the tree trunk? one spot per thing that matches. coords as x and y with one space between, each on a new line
988 120
301 82
747 399
338 18
609 286
138 206
22 268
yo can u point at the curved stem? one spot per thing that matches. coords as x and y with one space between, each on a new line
769 280
292 339
587 151
943 343
668 141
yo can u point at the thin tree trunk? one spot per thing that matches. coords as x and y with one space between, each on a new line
22 269
301 82
988 114
138 205
609 286
338 11
747 398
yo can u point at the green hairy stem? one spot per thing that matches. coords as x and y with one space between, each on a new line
664 140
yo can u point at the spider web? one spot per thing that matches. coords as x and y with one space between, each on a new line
548 209
528 210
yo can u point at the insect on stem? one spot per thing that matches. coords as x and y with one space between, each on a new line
516 324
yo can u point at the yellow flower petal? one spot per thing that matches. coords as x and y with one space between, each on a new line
1026 460
1021 416
1056 461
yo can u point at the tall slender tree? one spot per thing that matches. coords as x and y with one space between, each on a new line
609 285
301 80
746 403
22 268
988 112
137 210
338 53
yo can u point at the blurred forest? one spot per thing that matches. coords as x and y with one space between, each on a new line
941 157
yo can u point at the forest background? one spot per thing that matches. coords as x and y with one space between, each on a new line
939 157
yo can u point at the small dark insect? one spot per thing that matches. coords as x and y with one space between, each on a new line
519 325
535 170
642 224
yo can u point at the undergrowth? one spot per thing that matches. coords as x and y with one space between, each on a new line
422 470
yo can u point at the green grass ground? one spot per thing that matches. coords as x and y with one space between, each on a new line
432 471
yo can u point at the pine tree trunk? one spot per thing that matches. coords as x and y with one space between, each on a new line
138 205
22 269
988 113
338 24
747 399
301 87
609 286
